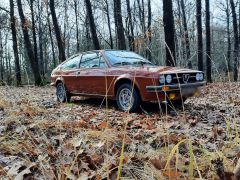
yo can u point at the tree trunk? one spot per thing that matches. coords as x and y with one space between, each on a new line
1 61
149 32
208 43
131 32
109 24
119 25
15 44
59 38
236 43
92 25
186 36
51 40
28 46
34 32
65 25
168 22
229 68
76 21
199 34
180 52
40 38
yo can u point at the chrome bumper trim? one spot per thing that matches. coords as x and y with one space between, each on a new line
175 87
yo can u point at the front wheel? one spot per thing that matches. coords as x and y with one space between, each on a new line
62 94
128 99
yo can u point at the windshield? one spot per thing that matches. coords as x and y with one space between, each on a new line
122 58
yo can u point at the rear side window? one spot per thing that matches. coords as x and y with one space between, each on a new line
71 64
92 60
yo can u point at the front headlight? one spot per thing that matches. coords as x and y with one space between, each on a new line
162 79
199 76
168 79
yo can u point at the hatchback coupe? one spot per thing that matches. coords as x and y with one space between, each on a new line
124 76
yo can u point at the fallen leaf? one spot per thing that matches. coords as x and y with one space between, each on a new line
171 174
103 125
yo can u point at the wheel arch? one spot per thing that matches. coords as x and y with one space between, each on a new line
59 80
126 80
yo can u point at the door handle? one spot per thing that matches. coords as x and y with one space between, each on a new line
78 73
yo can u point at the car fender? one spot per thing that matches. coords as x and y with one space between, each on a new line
59 79
127 77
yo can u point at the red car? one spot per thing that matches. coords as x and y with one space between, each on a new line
124 76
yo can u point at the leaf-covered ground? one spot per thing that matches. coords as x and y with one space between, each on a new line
85 139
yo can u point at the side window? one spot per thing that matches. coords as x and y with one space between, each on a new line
92 61
102 63
71 64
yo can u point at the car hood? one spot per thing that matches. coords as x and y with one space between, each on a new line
161 69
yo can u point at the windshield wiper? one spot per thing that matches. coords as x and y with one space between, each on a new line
142 62
122 63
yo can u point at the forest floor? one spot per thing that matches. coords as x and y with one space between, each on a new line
43 139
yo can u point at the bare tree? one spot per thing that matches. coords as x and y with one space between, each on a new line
186 36
28 46
168 22
59 38
76 21
92 25
236 42
130 31
149 31
15 44
119 24
109 23
229 68
199 34
208 43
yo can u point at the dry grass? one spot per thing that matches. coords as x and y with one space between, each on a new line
46 140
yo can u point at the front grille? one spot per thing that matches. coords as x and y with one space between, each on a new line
183 78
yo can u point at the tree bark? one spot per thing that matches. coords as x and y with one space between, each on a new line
40 38
109 24
168 21
119 25
1 61
76 21
229 68
236 42
59 38
186 36
208 43
130 32
15 44
149 32
199 34
34 32
92 25
28 46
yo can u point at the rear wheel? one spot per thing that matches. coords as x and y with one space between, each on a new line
179 102
128 98
62 94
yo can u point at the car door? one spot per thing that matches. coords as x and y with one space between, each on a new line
91 77
69 70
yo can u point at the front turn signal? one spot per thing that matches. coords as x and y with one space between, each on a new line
172 96
165 88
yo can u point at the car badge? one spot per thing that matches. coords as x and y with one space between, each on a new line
185 78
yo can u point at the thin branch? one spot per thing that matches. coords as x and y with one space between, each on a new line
4 9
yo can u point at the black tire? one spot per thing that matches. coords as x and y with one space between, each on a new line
62 94
135 97
179 102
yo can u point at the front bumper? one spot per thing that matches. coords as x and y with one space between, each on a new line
174 87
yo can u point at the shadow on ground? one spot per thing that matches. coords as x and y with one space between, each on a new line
147 107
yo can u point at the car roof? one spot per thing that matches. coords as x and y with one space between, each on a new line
92 51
